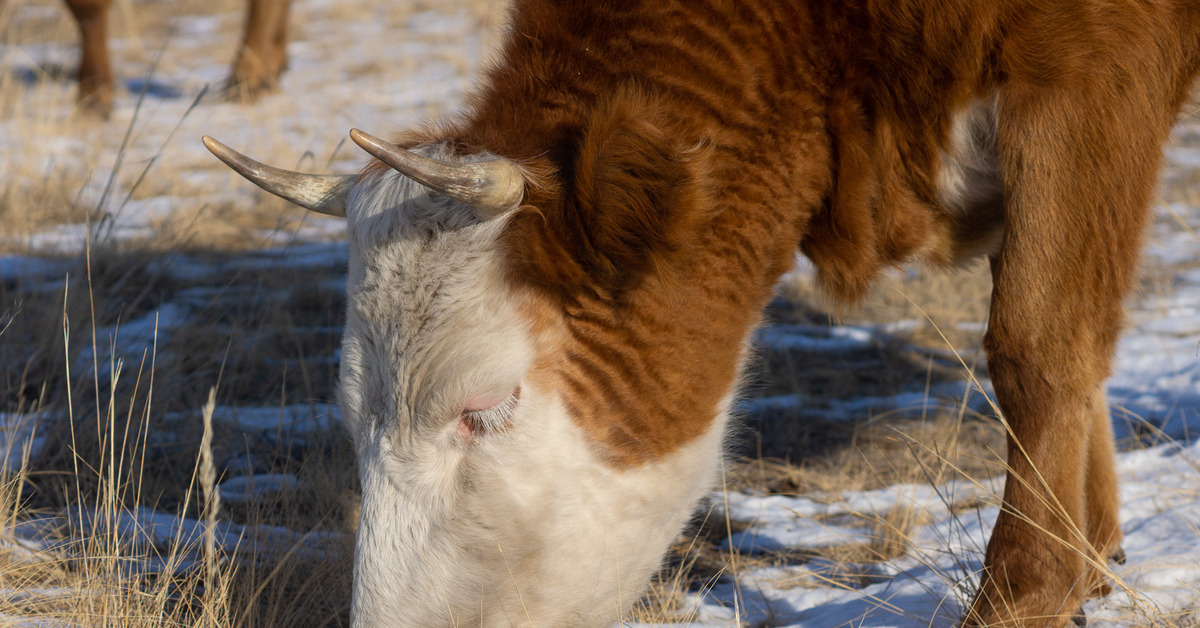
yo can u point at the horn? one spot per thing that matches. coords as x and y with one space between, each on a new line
492 187
322 193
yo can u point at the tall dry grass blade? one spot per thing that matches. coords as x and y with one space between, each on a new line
161 149
108 221
733 566
212 505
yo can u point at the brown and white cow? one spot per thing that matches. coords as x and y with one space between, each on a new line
261 57
550 297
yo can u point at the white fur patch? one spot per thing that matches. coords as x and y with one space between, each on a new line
521 525
969 176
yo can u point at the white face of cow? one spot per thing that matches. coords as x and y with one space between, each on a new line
483 504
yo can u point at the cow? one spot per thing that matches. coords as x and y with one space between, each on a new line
551 295
261 57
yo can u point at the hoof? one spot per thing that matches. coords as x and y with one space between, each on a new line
1103 589
98 106
246 92
1118 556
1079 619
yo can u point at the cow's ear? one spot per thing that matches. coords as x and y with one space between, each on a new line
636 194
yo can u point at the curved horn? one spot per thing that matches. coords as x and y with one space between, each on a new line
492 187
322 193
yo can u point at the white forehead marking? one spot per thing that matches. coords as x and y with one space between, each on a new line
387 200
430 319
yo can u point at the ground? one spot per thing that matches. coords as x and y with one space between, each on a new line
137 274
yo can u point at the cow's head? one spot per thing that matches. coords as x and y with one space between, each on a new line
486 499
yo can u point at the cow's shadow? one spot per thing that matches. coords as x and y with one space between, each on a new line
815 385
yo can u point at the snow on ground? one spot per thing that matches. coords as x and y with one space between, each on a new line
289 424
249 488
384 68
1160 513
361 74
147 531
21 438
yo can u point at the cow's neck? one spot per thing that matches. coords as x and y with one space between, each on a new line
662 344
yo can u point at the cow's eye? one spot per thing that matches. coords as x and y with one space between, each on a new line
491 419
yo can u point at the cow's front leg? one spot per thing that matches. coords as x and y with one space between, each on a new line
1035 569
1009 577
1078 179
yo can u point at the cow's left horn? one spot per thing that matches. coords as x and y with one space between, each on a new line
492 187
322 193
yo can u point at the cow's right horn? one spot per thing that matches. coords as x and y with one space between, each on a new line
492 187
322 193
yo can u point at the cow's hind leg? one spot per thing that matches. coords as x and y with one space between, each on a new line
1079 171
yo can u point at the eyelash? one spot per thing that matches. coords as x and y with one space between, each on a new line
496 417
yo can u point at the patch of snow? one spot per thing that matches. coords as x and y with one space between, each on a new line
128 341
186 268
243 464
250 488
947 396
286 425
820 338
15 267
1186 157
22 438
146 531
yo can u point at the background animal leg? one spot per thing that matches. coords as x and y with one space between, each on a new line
95 70
262 55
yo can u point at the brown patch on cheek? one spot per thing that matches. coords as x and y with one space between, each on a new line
548 336
639 382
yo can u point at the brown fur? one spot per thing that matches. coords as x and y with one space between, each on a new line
261 57
690 146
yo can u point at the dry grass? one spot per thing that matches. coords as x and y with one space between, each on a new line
121 451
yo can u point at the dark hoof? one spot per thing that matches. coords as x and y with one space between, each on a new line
95 107
1118 556
1079 619
245 90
